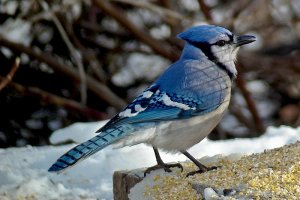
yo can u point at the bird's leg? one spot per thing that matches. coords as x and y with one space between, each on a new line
202 168
161 164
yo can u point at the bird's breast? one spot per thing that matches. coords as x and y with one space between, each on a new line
182 134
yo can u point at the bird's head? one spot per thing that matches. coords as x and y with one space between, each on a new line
217 43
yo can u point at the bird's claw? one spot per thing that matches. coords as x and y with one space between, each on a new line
164 166
200 171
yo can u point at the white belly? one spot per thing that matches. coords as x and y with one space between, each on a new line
183 134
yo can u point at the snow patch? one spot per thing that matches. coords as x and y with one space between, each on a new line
23 171
140 66
17 30
77 132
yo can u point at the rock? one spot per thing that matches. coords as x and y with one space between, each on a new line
210 194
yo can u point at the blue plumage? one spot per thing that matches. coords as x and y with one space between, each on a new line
209 34
182 106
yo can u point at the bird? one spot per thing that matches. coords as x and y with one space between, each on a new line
180 108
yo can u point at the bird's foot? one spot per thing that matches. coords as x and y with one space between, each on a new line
164 166
202 170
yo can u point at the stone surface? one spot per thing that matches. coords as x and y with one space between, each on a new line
272 174
123 181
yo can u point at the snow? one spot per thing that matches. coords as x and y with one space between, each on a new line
139 66
161 32
210 194
24 175
17 30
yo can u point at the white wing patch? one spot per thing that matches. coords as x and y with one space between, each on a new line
163 97
129 112
167 101
139 108
147 94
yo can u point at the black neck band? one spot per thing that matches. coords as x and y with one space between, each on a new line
205 48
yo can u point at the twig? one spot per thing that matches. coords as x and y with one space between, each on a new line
250 103
9 76
269 63
240 116
99 89
74 53
43 15
159 47
237 8
88 56
56 100
205 10
160 10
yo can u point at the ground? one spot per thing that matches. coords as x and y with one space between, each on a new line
24 175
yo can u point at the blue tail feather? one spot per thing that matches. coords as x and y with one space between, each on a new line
90 147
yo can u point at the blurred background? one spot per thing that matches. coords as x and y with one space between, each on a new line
64 61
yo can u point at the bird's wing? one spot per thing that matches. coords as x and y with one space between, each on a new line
193 87
155 105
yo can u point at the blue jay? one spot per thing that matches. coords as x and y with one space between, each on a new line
181 107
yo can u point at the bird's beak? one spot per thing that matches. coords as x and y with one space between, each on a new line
244 39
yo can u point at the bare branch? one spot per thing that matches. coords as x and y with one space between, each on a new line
102 91
267 64
205 10
250 103
240 116
160 10
50 98
88 55
9 76
159 47
74 53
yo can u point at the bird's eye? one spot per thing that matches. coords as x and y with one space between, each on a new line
221 43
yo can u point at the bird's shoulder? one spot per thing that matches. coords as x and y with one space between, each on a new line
200 80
